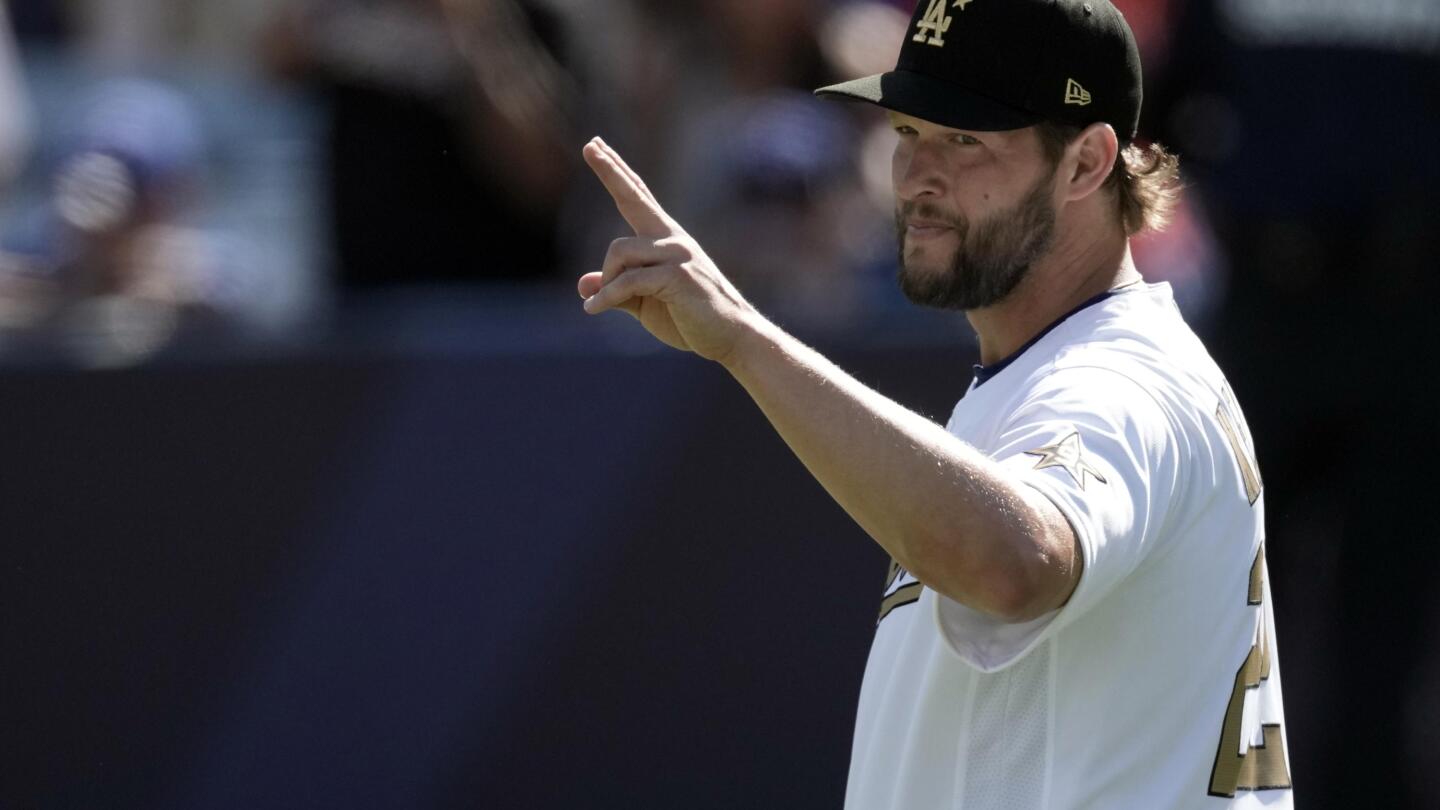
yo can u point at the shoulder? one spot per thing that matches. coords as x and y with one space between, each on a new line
1136 347
1131 367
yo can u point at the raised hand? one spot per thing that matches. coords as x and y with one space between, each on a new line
660 275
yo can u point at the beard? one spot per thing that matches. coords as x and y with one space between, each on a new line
993 257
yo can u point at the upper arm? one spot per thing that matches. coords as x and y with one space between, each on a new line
1100 449
1095 453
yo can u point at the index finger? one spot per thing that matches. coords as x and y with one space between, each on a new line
632 197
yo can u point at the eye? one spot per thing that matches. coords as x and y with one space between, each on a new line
965 140
903 129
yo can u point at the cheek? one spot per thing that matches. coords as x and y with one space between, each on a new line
899 164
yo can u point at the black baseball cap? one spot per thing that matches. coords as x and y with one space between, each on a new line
990 65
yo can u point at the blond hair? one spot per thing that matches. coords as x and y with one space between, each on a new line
1145 179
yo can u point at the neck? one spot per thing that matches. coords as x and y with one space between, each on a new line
1068 276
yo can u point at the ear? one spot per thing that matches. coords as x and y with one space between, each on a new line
1088 161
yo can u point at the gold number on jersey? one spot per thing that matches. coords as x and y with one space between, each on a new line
1227 413
1262 766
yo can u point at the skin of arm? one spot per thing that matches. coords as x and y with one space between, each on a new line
946 512
953 518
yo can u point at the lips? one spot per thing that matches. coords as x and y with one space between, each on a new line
923 222
925 229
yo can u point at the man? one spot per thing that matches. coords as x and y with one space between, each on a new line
1078 613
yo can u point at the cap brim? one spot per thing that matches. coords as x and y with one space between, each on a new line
934 100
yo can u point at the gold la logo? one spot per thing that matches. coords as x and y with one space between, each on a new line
933 26
1075 94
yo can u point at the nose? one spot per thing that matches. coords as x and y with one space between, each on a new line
917 171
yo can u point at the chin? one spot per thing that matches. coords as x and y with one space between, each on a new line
924 286
917 274
924 260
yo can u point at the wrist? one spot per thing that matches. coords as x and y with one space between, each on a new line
755 336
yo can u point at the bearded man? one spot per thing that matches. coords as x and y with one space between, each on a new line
1077 613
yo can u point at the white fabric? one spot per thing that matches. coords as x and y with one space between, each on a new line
1116 700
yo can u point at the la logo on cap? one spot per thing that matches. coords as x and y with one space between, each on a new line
1075 94
932 27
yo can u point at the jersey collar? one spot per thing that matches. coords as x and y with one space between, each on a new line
984 373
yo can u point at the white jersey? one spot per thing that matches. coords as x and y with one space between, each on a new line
1158 684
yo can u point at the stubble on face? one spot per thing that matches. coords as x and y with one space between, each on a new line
991 257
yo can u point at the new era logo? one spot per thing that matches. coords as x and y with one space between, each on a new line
1075 94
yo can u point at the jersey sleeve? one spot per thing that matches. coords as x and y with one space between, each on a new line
1102 449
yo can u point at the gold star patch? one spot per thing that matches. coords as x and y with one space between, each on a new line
1069 455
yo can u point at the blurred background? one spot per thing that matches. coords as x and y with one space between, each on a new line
319 490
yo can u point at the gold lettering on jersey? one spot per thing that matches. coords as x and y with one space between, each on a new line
932 27
893 574
903 595
1069 455
1257 578
1259 766
1077 95
1226 414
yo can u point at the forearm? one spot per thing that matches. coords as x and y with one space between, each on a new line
947 513
943 510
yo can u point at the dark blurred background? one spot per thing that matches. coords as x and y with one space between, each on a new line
319 490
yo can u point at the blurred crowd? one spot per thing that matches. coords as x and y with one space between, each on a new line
184 174
434 143
188 171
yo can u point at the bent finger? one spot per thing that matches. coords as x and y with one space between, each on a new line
628 288
589 284
638 251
